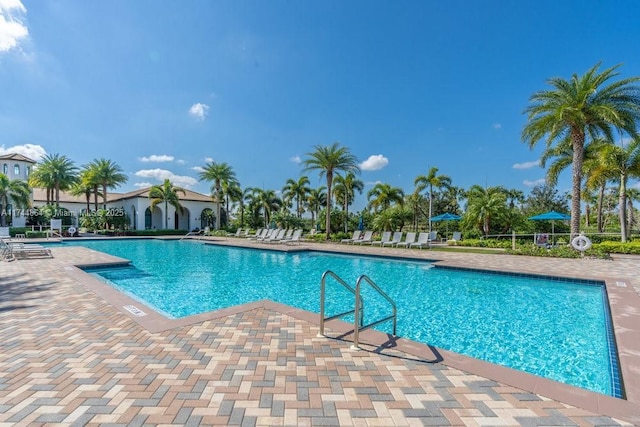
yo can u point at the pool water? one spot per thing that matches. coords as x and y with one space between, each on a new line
551 328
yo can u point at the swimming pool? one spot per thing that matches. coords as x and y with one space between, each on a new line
555 329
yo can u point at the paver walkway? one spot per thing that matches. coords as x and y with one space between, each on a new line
70 358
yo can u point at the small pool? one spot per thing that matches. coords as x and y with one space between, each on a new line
558 329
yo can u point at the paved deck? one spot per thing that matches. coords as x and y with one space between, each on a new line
73 355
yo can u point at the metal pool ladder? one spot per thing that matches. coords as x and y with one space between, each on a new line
358 310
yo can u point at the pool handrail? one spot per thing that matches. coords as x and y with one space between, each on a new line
323 319
360 308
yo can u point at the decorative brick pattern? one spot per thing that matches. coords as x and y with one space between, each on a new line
69 358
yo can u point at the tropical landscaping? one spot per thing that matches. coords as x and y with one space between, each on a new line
588 124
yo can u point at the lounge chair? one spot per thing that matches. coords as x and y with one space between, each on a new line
366 238
270 232
356 236
255 236
23 250
397 237
433 236
55 229
275 236
4 233
261 235
296 237
236 234
457 236
288 235
409 239
423 240
386 236
542 240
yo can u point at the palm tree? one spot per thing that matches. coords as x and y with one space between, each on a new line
15 191
382 196
316 199
298 191
232 193
579 108
484 205
430 180
217 173
633 194
106 174
85 186
345 192
329 160
54 173
168 194
267 201
623 163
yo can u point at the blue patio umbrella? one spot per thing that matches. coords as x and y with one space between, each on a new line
446 217
361 223
551 216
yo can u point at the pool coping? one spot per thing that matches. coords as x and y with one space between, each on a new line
627 334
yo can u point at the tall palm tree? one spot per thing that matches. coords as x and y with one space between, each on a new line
268 201
106 174
167 194
85 186
14 191
315 200
329 160
633 194
623 163
217 173
484 205
232 193
298 191
430 180
55 173
345 191
382 196
584 106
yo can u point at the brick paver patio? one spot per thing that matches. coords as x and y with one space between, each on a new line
70 357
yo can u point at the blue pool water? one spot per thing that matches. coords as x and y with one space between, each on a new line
555 329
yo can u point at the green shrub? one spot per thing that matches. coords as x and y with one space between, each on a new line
557 252
619 247
35 234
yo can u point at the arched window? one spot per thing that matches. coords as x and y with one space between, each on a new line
16 170
5 169
27 171
147 219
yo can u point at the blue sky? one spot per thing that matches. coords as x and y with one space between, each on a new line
161 87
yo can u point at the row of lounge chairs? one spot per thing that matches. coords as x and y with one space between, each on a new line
412 239
279 235
11 250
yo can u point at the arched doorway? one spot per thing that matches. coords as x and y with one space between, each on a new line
207 219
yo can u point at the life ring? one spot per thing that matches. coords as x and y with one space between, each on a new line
581 243
72 231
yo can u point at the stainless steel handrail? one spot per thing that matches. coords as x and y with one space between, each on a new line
322 300
357 328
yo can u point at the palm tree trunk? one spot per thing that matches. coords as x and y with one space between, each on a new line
328 216
166 215
577 140
600 207
217 206
104 197
623 207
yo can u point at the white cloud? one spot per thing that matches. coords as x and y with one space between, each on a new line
372 183
296 159
526 165
199 111
528 183
162 174
374 162
208 159
32 151
157 158
496 126
142 184
12 27
197 169
181 162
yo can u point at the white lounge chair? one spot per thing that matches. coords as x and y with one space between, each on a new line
255 236
366 238
386 236
55 229
23 250
296 237
270 233
397 237
236 234
409 239
423 240
457 236
356 236
4 233
275 236
433 236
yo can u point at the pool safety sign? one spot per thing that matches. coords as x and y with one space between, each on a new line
134 310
